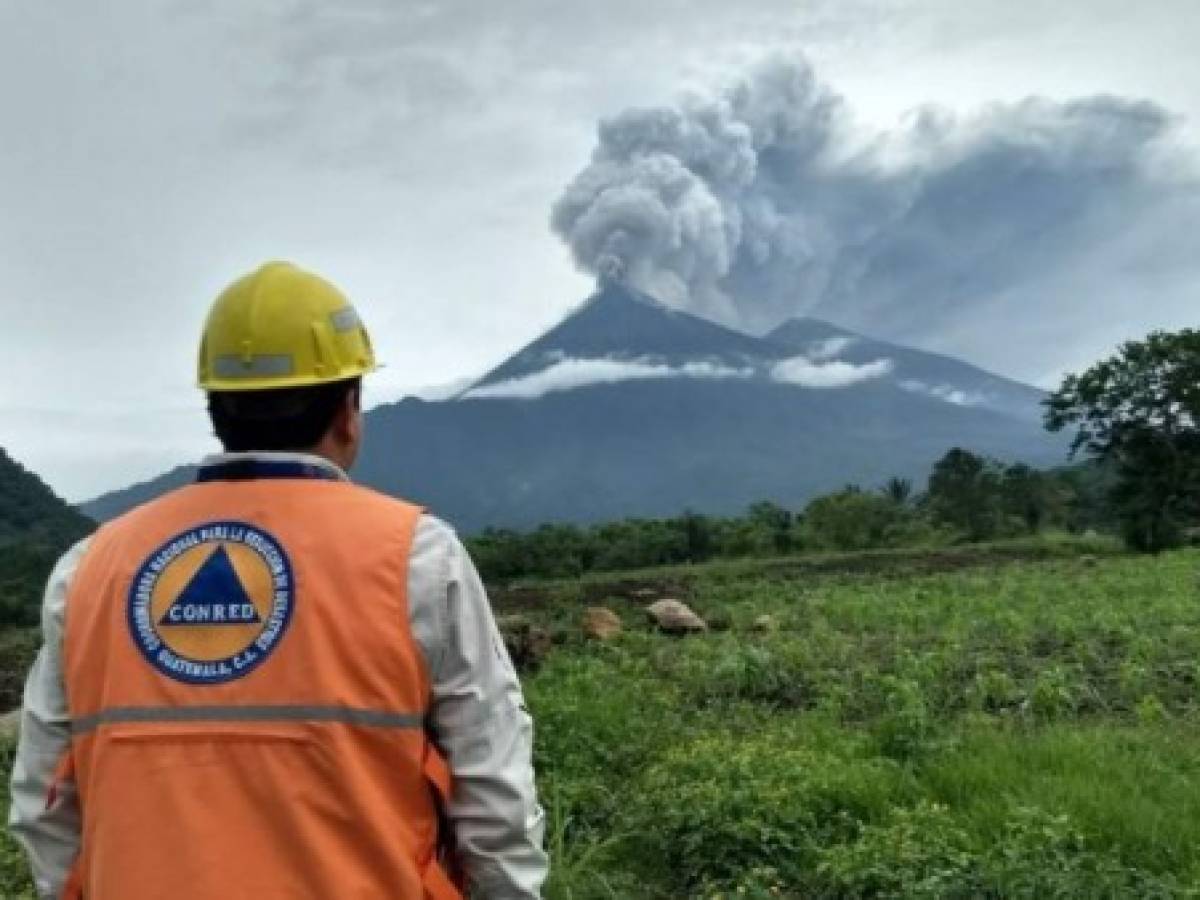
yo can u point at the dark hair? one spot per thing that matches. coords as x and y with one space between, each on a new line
284 419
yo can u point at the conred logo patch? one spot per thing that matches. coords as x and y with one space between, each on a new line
212 602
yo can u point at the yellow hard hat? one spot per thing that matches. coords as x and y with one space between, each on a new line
282 327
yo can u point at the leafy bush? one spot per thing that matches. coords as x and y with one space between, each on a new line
854 520
918 852
921 852
905 728
18 647
773 674
15 883
718 806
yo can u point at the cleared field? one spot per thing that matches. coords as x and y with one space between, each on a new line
1015 723
999 730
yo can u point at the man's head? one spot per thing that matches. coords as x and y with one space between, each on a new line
282 360
325 420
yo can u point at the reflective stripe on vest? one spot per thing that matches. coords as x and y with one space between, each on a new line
247 699
371 718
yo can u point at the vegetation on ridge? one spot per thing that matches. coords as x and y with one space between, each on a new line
35 528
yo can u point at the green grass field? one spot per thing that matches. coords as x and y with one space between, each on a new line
1015 721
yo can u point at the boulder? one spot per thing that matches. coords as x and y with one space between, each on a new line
675 617
600 623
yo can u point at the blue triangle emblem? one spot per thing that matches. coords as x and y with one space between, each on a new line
214 596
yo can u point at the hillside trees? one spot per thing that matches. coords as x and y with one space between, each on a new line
1032 497
1139 411
35 527
965 493
898 490
853 519
982 498
970 498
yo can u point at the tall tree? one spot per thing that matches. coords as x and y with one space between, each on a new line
774 522
965 493
1140 411
898 490
1036 498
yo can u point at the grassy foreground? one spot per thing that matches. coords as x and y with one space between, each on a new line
1013 724
1008 729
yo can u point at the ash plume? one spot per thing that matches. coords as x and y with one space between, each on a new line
763 201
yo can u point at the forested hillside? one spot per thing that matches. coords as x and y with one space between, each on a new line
35 527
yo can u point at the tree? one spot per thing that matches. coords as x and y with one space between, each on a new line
1036 498
1088 489
965 494
1139 410
898 490
774 522
853 520
698 536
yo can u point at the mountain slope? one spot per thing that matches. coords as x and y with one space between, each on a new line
620 323
942 377
630 408
35 527
31 513
112 504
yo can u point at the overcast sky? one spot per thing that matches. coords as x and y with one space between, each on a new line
412 152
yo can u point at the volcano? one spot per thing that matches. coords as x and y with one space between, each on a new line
630 408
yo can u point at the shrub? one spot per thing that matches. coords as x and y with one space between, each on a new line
918 853
14 873
772 675
720 806
854 520
18 647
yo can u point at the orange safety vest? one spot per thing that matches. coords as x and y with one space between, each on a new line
247 698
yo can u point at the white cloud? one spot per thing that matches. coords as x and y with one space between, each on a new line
946 392
830 348
569 374
808 373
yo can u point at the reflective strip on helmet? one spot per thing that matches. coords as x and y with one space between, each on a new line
345 715
345 319
262 365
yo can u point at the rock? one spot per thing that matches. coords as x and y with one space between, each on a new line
765 623
527 644
675 617
600 623
9 724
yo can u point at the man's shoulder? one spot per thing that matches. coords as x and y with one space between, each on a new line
371 497
436 534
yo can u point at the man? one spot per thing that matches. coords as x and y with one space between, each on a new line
273 683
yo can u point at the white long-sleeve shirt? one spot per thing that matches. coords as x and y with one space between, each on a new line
477 718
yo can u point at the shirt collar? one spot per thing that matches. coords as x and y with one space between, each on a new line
297 465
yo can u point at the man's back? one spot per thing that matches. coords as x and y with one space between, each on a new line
248 700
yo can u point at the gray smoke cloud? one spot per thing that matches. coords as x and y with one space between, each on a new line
763 201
